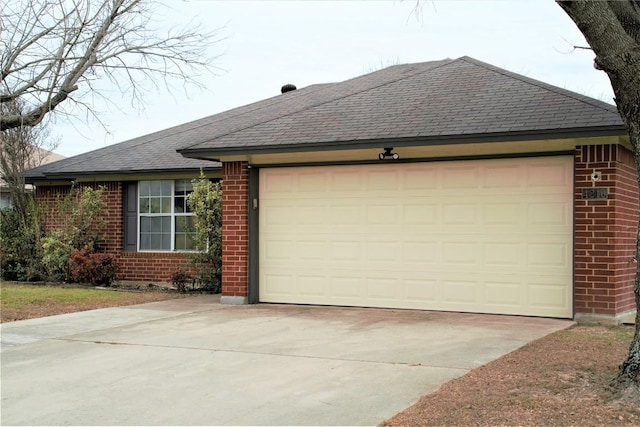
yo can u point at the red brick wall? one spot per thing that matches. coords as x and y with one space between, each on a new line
150 266
605 231
48 199
133 266
235 228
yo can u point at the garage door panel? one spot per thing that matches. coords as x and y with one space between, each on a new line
543 215
384 288
381 252
477 236
279 285
503 254
421 214
343 181
504 294
347 287
460 292
503 176
311 182
279 183
383 181
349 215
461 254
547 255
460 177
386 214
460 213
502 213
548 295
419 178
420 290
274 215
549 174
421 252
346 251
311 286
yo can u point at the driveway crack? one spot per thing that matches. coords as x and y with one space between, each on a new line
266 353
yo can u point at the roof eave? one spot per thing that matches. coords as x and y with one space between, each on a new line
72 176
586 132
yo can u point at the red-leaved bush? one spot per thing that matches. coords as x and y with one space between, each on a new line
89 267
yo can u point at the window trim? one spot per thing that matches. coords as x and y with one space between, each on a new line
172 215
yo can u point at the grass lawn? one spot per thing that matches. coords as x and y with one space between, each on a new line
27 301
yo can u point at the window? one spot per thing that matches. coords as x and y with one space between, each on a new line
5 200
165 220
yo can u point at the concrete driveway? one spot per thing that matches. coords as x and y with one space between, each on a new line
196 362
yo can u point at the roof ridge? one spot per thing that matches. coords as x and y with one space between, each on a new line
443 62
546 86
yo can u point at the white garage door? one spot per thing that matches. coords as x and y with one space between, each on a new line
486 236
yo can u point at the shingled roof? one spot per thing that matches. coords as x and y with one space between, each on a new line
418 104
147 154
428 103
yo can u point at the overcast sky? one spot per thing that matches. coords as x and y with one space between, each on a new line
270 43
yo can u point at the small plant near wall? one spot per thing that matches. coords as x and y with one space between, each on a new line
56 251
20 244
72 253
80 212
206 204
180 280
86 266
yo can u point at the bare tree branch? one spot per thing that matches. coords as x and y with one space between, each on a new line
50 49
21 148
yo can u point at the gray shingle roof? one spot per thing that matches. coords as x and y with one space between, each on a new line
424 103
150 153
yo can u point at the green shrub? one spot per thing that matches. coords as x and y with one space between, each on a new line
55 257
209 279
80 212
72 252
206 204
26 255
20 250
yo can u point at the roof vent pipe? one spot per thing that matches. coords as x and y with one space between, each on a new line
287 88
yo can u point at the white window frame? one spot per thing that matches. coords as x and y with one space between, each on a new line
172 215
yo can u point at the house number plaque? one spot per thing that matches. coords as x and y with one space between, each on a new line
595 193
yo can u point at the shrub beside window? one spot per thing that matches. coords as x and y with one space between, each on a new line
205 202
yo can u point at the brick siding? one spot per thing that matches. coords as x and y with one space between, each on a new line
133 266
605 231
235 228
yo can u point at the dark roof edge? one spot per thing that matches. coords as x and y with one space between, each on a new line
588 132
75 175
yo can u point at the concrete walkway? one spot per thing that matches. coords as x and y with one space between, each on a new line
196 362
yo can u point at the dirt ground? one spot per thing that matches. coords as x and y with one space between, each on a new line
560 380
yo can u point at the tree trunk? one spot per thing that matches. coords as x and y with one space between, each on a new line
612 29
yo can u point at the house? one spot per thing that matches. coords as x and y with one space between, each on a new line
39 156
446 185
149 246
